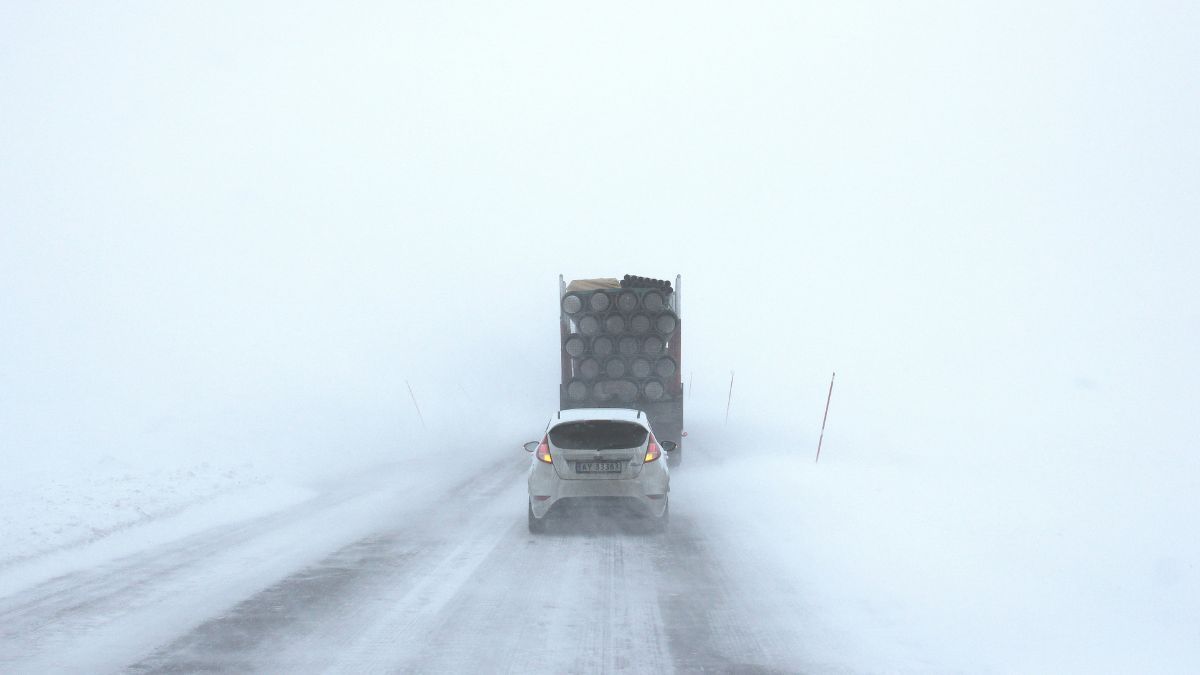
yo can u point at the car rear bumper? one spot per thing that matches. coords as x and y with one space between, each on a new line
648 490
606 507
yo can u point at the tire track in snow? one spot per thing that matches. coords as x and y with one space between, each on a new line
103 618
313 619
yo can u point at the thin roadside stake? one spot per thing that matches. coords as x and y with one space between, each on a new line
827 400
414 398
730 401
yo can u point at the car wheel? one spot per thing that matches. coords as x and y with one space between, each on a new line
536 525
674 459
662 522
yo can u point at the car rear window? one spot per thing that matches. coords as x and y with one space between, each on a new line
597 435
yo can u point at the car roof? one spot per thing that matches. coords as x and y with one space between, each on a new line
615 414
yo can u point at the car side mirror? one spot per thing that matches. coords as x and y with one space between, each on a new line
669 446
531 446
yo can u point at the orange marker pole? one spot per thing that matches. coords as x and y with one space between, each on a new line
730 401
827 400
414 398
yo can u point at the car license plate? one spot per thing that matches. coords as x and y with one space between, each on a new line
597 467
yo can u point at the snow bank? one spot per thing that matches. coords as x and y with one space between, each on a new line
919 563
61 515
65 507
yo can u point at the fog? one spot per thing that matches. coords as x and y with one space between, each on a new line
241 233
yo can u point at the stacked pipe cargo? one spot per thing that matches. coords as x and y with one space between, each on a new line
632 281
618 341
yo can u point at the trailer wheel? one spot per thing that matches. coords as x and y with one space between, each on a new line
674 459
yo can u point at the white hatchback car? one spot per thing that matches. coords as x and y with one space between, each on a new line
599 455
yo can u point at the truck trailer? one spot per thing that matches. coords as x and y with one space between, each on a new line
622 347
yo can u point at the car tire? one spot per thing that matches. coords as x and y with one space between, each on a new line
536 525
662 523
674 459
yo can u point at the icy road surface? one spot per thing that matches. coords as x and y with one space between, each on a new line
369 576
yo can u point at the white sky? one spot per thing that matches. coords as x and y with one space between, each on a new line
233 226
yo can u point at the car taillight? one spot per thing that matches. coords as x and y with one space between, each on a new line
652 451
543 450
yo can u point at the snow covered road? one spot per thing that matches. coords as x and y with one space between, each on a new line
417 565
369 576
